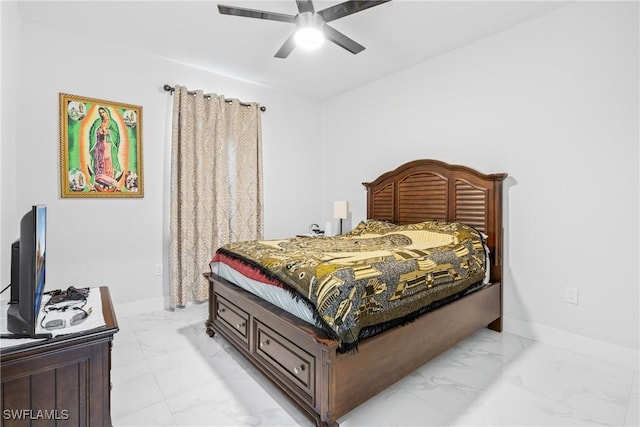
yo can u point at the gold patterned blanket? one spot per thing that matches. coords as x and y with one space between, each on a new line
377 276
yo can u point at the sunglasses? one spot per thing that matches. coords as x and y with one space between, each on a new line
62 323
71 294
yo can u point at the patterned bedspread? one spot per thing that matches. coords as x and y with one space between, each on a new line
377 276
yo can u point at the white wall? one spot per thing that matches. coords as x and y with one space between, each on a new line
10 48
554 103
118 242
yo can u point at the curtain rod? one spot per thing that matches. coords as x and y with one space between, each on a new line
171 89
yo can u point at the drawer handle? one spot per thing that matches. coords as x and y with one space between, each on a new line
298 369
221 310
240 325
264 343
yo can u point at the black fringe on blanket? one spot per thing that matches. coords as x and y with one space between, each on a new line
367 332
370 331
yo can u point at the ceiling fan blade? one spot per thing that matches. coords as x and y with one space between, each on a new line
258 14
341 40
305 6
286 48
347 8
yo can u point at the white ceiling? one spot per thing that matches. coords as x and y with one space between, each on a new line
396 35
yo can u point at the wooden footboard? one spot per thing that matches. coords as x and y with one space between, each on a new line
388 357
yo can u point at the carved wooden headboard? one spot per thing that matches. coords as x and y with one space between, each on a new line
424 190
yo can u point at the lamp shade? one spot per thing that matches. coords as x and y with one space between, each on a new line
341 209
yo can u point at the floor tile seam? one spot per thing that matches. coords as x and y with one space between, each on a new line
178 330
191 390
133 361
454 372
152 357
157 328
630 393
430 405
162 393
586 356
173 418
138 337
576 388
629 401
155 402
155 378
626 416
152 372
564 403
139 378
625 395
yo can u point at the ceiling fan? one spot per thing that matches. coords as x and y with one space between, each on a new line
311 26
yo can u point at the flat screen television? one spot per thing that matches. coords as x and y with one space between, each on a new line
28 271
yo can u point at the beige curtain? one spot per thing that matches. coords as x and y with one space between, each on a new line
216 185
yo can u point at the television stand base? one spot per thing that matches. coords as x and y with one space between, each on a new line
33 337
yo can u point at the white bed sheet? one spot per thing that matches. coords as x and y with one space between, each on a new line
273 294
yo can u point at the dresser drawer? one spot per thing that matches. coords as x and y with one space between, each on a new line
233 318
296 365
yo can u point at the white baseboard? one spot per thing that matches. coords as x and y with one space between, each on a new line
143 306
612 353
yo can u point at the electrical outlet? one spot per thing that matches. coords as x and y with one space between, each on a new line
158 269
571 295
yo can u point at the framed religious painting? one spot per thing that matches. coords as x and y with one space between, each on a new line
100 148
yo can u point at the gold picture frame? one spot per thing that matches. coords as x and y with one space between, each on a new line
100 148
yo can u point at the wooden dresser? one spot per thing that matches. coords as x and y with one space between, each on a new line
61 381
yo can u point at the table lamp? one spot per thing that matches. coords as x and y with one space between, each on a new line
341 211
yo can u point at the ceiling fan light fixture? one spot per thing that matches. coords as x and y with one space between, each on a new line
309 35
309 38
311 27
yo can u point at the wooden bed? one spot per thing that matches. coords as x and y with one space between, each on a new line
304 363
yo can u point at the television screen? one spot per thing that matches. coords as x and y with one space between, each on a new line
29 277
41 239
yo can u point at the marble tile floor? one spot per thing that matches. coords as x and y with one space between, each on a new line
167 372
